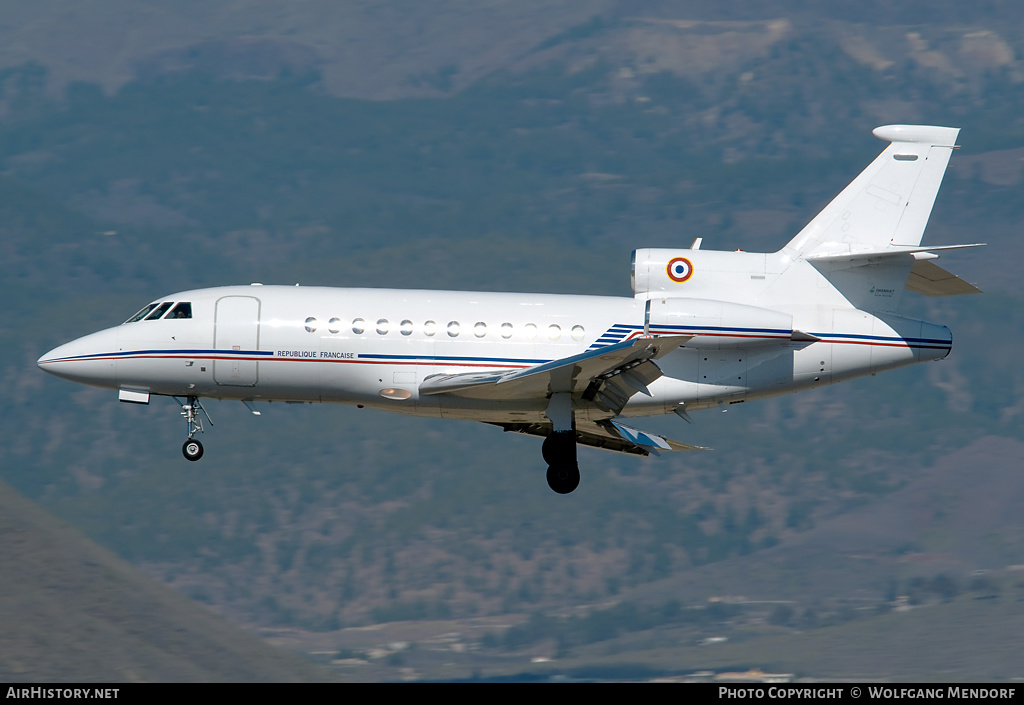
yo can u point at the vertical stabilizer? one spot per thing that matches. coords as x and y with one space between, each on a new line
888 204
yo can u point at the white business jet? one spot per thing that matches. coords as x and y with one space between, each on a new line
704 328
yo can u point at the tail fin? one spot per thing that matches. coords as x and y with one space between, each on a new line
888 204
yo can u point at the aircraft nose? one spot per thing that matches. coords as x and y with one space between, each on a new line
89 360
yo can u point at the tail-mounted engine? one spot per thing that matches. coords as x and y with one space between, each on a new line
717 324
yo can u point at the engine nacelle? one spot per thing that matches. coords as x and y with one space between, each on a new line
701 273
717 324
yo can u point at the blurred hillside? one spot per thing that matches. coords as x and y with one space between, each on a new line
407 49
521 146
73 612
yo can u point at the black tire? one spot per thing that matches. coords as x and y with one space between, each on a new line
192 449
559 448
563 479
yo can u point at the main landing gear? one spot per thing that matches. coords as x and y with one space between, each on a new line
192 449
559 451
559 447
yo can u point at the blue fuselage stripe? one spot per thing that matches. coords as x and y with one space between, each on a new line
613 335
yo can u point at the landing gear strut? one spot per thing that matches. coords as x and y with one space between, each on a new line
559 451
192 449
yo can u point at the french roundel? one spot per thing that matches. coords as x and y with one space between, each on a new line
679 269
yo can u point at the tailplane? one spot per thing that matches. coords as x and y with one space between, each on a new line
888 204
861 251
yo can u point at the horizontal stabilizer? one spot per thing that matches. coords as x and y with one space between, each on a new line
872 256
930 279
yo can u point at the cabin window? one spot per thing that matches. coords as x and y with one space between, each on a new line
530 330
160 311
142 314
310 324
182 310
480 329
358 326
406 327
554 332
506 330
453 329
383 326
429 328
334 325
578 333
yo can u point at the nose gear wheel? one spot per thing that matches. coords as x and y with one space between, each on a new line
192 449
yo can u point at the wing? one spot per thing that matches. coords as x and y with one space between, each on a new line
609 376
610 434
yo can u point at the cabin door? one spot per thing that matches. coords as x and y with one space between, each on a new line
236 338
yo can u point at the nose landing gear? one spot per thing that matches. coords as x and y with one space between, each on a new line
192 449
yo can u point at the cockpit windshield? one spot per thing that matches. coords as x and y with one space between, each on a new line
157 310
160 311
182 310
142 314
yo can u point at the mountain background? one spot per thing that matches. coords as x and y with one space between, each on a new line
870 529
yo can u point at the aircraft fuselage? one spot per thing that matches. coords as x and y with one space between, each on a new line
375 347
703 328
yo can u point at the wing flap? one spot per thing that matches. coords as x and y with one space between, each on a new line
652 442
610 435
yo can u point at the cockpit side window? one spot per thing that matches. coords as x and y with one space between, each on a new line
141 314
182 310
160 311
